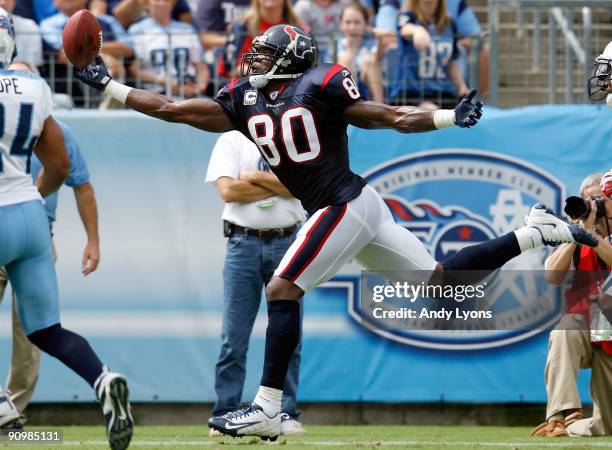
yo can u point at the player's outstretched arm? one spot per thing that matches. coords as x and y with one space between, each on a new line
200 113
408 119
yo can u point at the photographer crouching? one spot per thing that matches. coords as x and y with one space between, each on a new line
575 343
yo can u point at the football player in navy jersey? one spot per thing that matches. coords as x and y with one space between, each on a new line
297 114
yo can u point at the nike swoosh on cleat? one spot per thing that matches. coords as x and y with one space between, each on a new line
239 426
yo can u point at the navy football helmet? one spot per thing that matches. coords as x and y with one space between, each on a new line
283 51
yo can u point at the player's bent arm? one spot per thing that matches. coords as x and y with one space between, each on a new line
241 191
373 115
50 150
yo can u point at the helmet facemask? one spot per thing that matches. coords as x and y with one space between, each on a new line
8 48
600 82
260 53
273 61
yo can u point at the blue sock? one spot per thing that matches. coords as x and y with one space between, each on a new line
282 338
483 258
71 349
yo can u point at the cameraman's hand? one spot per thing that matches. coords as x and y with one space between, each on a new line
588 223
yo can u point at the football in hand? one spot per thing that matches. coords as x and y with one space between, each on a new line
82 38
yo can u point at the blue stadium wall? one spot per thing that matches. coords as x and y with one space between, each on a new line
153 309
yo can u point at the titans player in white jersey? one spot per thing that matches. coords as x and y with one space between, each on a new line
27 126
600 82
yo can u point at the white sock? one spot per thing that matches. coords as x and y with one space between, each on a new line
269 399
528 238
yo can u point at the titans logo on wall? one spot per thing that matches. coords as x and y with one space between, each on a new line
453 198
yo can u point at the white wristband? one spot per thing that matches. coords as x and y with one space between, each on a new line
444 118
117 91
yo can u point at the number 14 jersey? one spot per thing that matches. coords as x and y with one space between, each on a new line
301 132
25 104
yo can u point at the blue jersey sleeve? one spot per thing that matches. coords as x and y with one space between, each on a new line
79 173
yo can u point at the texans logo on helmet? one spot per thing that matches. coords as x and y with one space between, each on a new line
302 42
454 198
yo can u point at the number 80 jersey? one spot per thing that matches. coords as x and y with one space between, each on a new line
301 132
25 104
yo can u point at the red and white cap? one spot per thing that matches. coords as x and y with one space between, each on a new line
606 184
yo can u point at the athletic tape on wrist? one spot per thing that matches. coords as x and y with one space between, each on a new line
117 91
444 118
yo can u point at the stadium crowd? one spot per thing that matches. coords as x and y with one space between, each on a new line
411 53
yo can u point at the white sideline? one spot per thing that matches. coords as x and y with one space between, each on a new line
369 443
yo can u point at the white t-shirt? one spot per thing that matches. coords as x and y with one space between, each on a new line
24 99
28 40
233 152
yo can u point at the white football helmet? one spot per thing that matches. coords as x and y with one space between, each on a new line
8 49
600 82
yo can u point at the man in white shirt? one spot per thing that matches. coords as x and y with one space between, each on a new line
28 37
260 219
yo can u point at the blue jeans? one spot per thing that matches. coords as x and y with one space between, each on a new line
249 265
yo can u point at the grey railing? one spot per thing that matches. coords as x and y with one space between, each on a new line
568 31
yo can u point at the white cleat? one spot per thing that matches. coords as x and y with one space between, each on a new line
249 421
8 410
555 230
113 392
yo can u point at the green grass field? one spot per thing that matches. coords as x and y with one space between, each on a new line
330 437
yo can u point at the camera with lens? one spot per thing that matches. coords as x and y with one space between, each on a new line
579 208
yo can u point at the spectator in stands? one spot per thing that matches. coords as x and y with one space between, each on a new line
158 38
467 25
129 12
570 346
28 40
261 15
213 19
360 51
321 18
427 74
114 49
37 10
468 28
